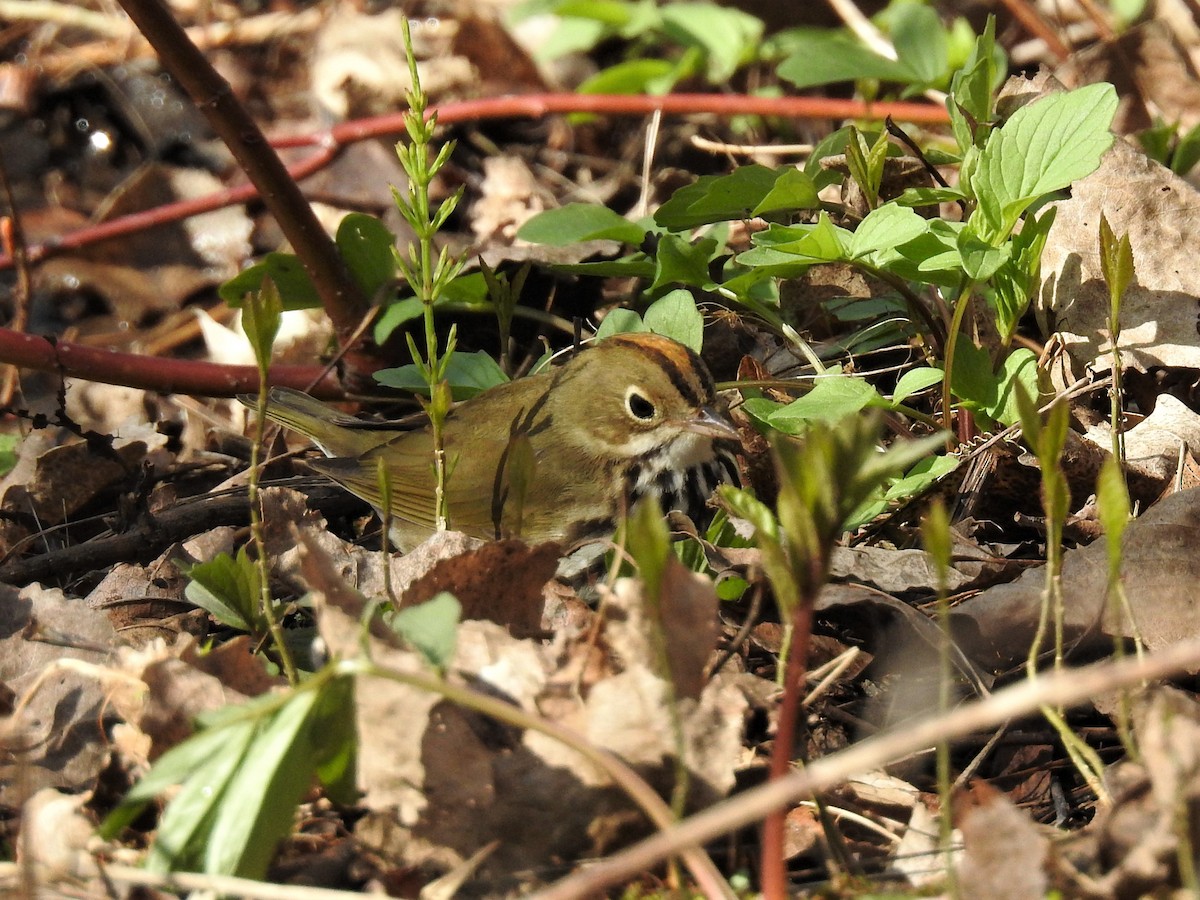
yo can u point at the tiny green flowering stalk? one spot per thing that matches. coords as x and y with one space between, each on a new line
427 276
1047 440
262 314
1116 262
935 536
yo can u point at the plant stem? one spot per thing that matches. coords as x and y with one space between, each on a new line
266 602
774 866
960 310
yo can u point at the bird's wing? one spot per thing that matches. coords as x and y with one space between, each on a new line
476 498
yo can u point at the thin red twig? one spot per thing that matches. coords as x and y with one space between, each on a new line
182 376
1033 22
188 376
532 106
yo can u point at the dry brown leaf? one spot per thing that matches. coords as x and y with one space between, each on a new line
918 854
1160 308
53 651
1139 835
152 272
1160 567
359 67
1153 446
509 195
674 641
802 833
1151 70
899 571
500 581
441 782
67 478
1004 854
55 834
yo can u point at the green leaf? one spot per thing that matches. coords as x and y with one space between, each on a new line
578 222
470 289
676 316
746 192
227 588
620 321
728 36
823 242
396 314
172 768
1043 147
928 196
430 628
1187 152
731 588
866 168
369 250
571 36
1019 367
933 257
830 145
971 87
745 505
1156 142
1116 263
469 374
637 76
884 229
915 380
284 269
649 543
972 380
614 13
1112 501
678 262
824 57
793 190
830 400
1030 418
263 793
636 265
980 260
262 314
1016 280
921 476
8 452
335 736
920 41
881 467
179 840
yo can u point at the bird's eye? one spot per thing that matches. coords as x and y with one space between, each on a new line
639 407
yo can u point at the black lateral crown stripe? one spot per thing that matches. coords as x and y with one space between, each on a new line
697 390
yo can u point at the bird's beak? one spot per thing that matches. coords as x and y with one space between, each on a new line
710 423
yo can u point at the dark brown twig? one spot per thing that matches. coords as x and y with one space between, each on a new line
339 293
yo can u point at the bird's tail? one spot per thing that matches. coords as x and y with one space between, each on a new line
336 433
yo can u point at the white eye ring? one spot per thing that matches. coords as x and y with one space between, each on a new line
639 406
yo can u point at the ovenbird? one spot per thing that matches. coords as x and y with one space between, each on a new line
556 456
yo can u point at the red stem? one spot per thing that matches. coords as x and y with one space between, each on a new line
532 106
773 871
153 373
215 380
1036 24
